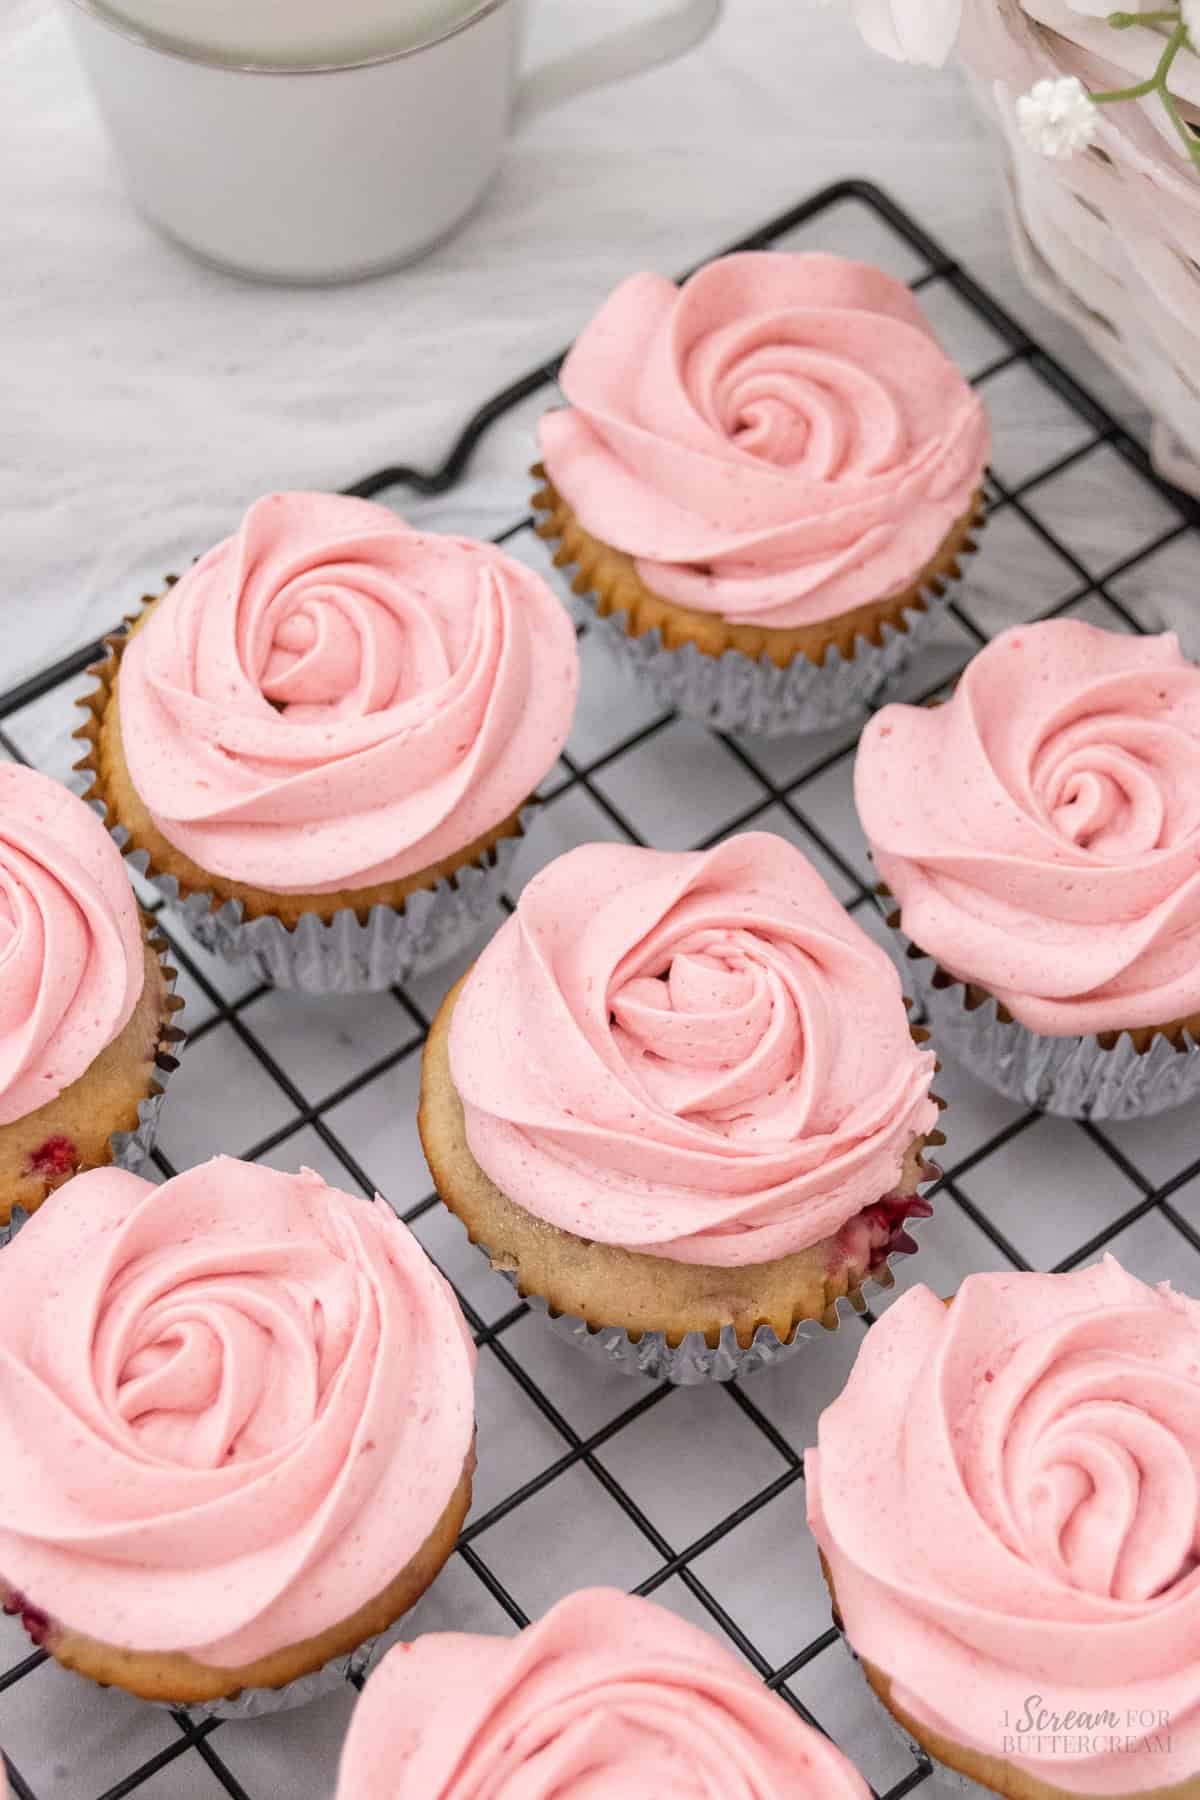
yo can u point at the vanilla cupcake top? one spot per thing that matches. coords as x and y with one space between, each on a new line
72 961
780 440
606 1697
1006 1493
331 700
700 1055
232 1408
1041 831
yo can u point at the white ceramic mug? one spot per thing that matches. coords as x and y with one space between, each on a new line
334 171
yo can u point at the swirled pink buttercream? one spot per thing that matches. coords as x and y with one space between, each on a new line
232 1408
72 962
1041 832
696 1055
330 700
606 1697
779 441
1006 1493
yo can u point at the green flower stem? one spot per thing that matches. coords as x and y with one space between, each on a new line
1123 21
1157 83
1138 92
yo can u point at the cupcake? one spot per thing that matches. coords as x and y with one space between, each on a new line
236 1428
766 480
86 1007
607 1696
678 1101
1005 1499
1038 838
321 740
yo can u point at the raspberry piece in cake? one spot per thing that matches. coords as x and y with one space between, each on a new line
57 1156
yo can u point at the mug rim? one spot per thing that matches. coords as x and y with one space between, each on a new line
211 60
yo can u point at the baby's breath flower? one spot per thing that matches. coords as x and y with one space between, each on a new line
1058 117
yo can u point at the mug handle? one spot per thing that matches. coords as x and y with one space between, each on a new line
612 58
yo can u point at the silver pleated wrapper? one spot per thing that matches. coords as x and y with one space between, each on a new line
255 1703
692 1361
17 1218
1074 1077
733 692
344 956
130 1149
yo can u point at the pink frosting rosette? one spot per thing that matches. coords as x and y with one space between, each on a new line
699 1056
232 1408
606 1697
1041 831
1006 1494
331 700
779 441
72 961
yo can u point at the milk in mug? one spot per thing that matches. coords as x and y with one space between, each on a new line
292 33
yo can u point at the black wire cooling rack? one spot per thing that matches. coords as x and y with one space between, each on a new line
691 1495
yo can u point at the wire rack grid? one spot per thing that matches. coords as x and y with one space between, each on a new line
694 1496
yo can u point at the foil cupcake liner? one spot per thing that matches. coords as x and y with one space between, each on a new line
345 956
1072 1077
130 1149
733 692
256 1703
693 1360
16 1219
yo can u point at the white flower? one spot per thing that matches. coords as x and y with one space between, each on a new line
1058 117
1191 18
914 31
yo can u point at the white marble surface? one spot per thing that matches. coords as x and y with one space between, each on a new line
146 398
